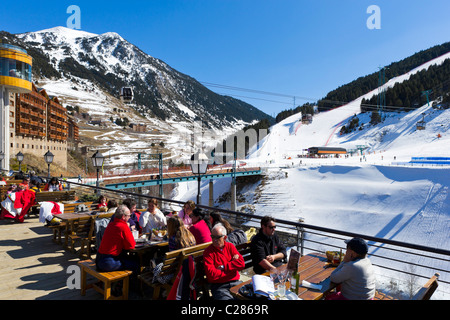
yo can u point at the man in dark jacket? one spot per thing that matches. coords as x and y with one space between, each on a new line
267 250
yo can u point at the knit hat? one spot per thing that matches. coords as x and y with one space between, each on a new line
358 245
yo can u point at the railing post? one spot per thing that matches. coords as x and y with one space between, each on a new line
300 237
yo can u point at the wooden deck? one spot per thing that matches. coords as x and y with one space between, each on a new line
35 268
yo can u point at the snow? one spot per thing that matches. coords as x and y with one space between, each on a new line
378 194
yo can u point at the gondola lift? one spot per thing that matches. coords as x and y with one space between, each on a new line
126 94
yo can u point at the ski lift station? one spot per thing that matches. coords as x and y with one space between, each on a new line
325 151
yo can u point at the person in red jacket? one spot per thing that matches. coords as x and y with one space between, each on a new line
201 228
117 238
222 264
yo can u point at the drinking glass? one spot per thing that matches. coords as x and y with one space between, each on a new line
281 290
283 274
274 275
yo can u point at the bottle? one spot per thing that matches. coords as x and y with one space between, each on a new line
295 281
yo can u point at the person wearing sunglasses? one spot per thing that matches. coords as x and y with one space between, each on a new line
267 251
222 264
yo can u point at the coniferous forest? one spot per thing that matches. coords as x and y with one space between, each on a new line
363 85
411 94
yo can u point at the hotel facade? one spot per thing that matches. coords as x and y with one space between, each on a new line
32 122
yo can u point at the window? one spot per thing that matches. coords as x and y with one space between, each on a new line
15 68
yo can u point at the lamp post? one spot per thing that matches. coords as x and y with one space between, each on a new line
97 161
199 166
2 156
48 157
19 158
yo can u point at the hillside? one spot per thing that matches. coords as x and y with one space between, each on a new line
110 62
86 71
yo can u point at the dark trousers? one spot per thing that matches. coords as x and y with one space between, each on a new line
107 262
221 291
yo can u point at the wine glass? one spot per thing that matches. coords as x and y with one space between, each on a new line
274 275
283 274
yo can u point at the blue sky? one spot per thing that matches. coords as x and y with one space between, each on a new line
289 47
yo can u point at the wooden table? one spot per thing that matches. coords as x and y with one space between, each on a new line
68 218
148 249
314 268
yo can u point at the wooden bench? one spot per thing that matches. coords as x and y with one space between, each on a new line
428 288
72 206
58 229
245 251
55 196
82 230
107 278
424 293
201 281
172 264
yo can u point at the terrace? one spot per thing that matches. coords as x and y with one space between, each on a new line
36 268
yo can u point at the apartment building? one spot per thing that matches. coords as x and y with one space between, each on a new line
41 123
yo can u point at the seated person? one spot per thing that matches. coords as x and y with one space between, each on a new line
185 213
222 264
53 185
102 203
25 184
135 214
116 239
235 236
201 228
111 206
267 251
153 218
355 274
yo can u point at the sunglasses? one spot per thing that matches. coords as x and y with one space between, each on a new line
271 227
216 237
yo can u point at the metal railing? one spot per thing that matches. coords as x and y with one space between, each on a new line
395 259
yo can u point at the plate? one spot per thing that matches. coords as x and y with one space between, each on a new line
290 296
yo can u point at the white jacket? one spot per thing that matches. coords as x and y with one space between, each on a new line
149 221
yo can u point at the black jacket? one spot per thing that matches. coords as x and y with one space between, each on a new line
262 246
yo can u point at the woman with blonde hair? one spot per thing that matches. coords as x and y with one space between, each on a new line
178 234
179 237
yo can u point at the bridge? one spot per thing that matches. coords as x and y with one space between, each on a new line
179 176
139 181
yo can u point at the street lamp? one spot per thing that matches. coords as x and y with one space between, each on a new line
97 161
48 157
19 158
199 166
2 156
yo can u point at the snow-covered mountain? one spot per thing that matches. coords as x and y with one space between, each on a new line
110 62
86 71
